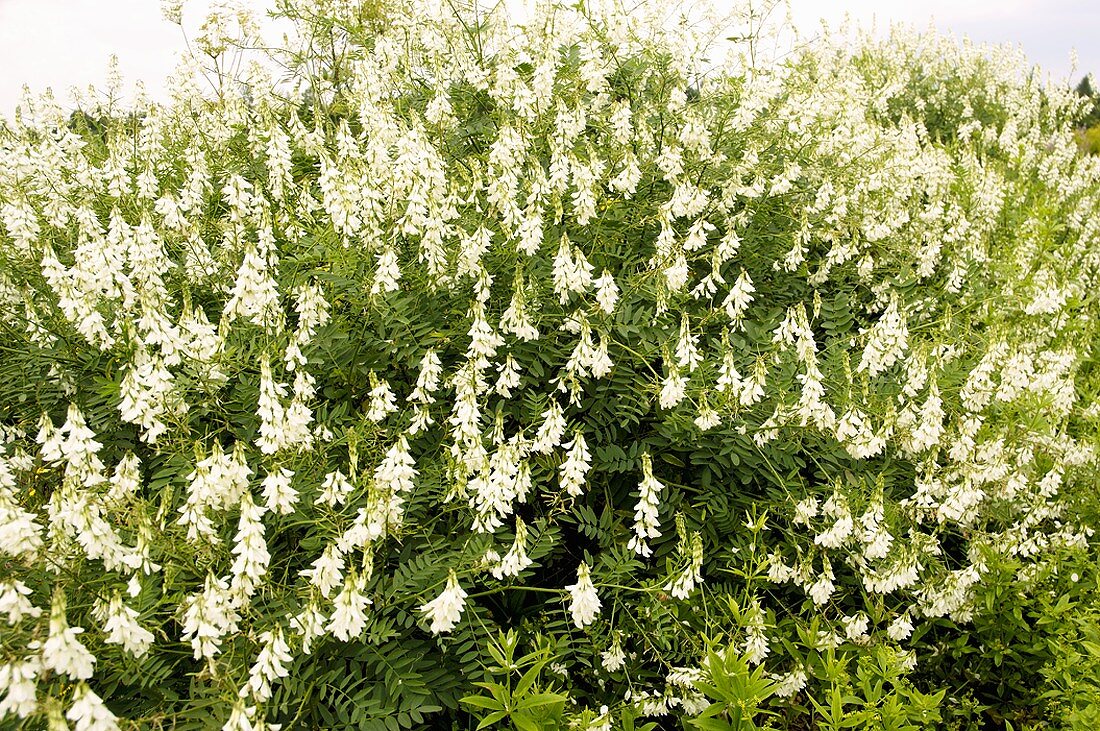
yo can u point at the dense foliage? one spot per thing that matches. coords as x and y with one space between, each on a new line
550 375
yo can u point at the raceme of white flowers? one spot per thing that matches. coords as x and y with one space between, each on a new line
585 602
446 609
475 321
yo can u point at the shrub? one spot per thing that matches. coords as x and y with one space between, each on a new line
535 375
1089 140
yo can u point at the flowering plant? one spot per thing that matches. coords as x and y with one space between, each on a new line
312 389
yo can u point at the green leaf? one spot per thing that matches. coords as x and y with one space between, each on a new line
525 723
478 701
541 699
491 719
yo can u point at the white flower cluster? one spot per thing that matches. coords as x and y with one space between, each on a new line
646 524
886 342
585 604
283 427
691 555
446 609
516 559
208 617
218 482
577 462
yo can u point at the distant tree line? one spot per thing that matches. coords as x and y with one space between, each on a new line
1089 123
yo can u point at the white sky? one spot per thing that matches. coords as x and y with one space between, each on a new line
66 43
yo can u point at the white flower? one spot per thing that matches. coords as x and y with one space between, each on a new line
622 125
123 629
599 361
14 602
270 665
805 511
465 418
571 474
756 641
310 624
133 586
752 388
876 539
856 626
387 273
382 401
446 609
607 292
697 236
327 571
427 381
125 480
509 377
687 352
208 617
677 273
812 407
88 713
250 549
241 718
279 495
497 482
349 617
421 419
585 601
572 273
484 340
335 489
887 341
146 392
530 231
551 430
283 427
778 571
396 472
626 181
63 652
822 589
978 389
842 528
739 298
790 683
613 658
707 418
673 389
218 482
646 525
692 573
19 679
1046 297
925 428
472 247
516 559
255 294
855 432
900 628
516 319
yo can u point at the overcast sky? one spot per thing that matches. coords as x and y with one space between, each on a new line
66 43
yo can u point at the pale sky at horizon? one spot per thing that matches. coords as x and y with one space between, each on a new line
67 43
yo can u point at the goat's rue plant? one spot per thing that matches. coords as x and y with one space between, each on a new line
532 375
